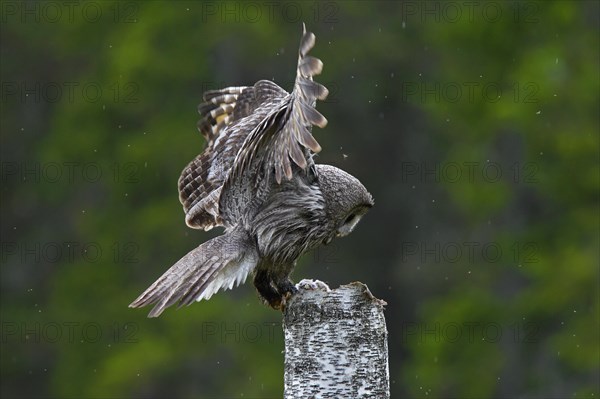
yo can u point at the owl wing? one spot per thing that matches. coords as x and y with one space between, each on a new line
218 264
279 141
228 115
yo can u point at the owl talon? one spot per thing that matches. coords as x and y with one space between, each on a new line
282 303
277 304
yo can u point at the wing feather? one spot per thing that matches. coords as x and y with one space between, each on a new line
252 132
227 117
217 103
282 142
220 263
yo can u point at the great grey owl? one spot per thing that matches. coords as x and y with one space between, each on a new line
257 179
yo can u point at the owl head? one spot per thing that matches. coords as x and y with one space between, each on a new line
346 199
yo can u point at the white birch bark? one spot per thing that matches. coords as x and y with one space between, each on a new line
335 343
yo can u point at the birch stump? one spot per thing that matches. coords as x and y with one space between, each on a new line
335 343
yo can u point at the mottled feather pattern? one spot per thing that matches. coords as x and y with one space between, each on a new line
241 109
200 182
217 111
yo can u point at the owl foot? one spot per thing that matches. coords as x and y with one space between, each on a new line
312 285
281 303
286 290
285 299
266 290
273 293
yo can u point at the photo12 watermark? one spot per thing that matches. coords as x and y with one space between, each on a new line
236 332
68 12
69 172
452 12
471 172
333 88
35 92
470 252
428 92
68 252
251 12
68 332
469 332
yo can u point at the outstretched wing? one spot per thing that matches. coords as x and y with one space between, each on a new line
281 140
228 115
220 263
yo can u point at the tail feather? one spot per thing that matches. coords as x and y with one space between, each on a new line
220 263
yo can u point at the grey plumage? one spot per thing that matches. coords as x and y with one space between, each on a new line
257 179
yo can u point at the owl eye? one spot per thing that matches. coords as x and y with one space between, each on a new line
350 218
349 223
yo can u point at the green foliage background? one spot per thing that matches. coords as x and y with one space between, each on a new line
415 87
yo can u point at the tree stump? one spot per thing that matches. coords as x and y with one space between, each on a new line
335 343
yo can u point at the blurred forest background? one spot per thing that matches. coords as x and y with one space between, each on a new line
473 124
